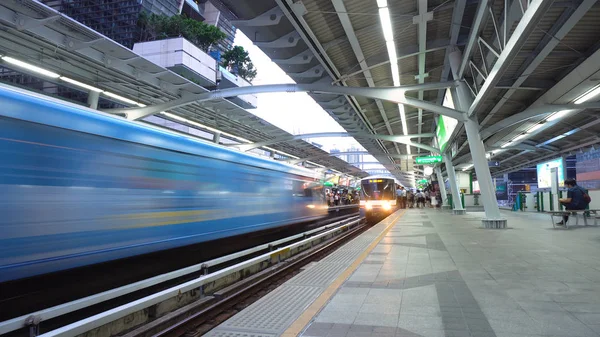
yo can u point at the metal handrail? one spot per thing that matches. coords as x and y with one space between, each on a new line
62 309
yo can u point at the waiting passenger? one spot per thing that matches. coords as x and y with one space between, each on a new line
411 199
575 200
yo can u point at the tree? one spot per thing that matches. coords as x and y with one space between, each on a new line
158 27
238 62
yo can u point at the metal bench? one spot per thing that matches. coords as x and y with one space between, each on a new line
575 214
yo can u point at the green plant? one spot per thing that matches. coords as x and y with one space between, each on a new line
158 27
238 62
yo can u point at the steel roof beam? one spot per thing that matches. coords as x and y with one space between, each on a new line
293 12
421 20
540 159
529 21
476 27
533 112
391 138
393 155
392 94
402 53
559 30
457 16
342 14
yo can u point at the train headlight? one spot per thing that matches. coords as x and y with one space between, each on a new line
387 206
310 206
368 206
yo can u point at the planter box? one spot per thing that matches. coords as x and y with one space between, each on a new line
182 57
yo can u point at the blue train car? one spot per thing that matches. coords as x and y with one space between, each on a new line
80 187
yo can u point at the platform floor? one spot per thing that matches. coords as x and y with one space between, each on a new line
430 273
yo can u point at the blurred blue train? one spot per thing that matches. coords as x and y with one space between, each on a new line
80 187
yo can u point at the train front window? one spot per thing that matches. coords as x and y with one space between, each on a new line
378 190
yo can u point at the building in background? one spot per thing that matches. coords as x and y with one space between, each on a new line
115 19
355 159
214 13
118 20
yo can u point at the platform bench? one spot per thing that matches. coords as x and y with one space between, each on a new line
587 213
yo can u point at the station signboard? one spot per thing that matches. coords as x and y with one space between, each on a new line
428 160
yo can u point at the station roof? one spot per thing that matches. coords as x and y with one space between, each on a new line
546 52
34 33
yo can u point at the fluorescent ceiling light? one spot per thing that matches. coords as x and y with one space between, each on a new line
595 91
467 167
391 49
381 3
505 145
122 99
202 126
31 67
535 128
558 115
313 163
79 84
519 137
386 24
280 152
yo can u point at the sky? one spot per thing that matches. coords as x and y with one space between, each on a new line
296 113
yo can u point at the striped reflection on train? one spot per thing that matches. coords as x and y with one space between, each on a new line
378 197
80 187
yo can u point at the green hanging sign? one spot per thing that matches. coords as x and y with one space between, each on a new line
429 160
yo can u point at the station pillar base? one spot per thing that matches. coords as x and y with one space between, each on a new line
446 207
494 223
459 211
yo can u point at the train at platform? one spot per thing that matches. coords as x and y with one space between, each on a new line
377 197
80 187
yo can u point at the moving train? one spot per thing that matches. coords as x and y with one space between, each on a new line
79 187
378 197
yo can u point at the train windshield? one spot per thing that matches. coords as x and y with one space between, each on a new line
378 189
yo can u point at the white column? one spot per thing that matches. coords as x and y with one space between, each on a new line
464 100
456 201
217 137
92 100
440 178
486 185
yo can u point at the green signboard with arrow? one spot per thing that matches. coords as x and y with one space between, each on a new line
428 160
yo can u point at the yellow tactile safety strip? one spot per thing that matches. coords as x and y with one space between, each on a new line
301 322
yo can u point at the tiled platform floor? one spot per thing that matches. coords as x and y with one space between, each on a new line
437 274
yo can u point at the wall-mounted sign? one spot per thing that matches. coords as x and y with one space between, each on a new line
493 163
428 160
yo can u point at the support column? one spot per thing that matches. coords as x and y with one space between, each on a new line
217 137
440 178
456 201
92 100
492 219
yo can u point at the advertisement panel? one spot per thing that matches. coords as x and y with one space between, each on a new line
502 191
544 172
446 125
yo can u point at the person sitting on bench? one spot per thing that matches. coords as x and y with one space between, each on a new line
574 200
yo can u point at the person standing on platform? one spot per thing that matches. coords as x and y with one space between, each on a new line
403 199
577 199
399 196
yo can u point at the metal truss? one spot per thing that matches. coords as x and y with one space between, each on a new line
392 94
391 138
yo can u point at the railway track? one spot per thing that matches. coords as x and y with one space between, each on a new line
198 322
222 287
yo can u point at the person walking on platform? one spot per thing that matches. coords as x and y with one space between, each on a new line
399 196
577 199
403 199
